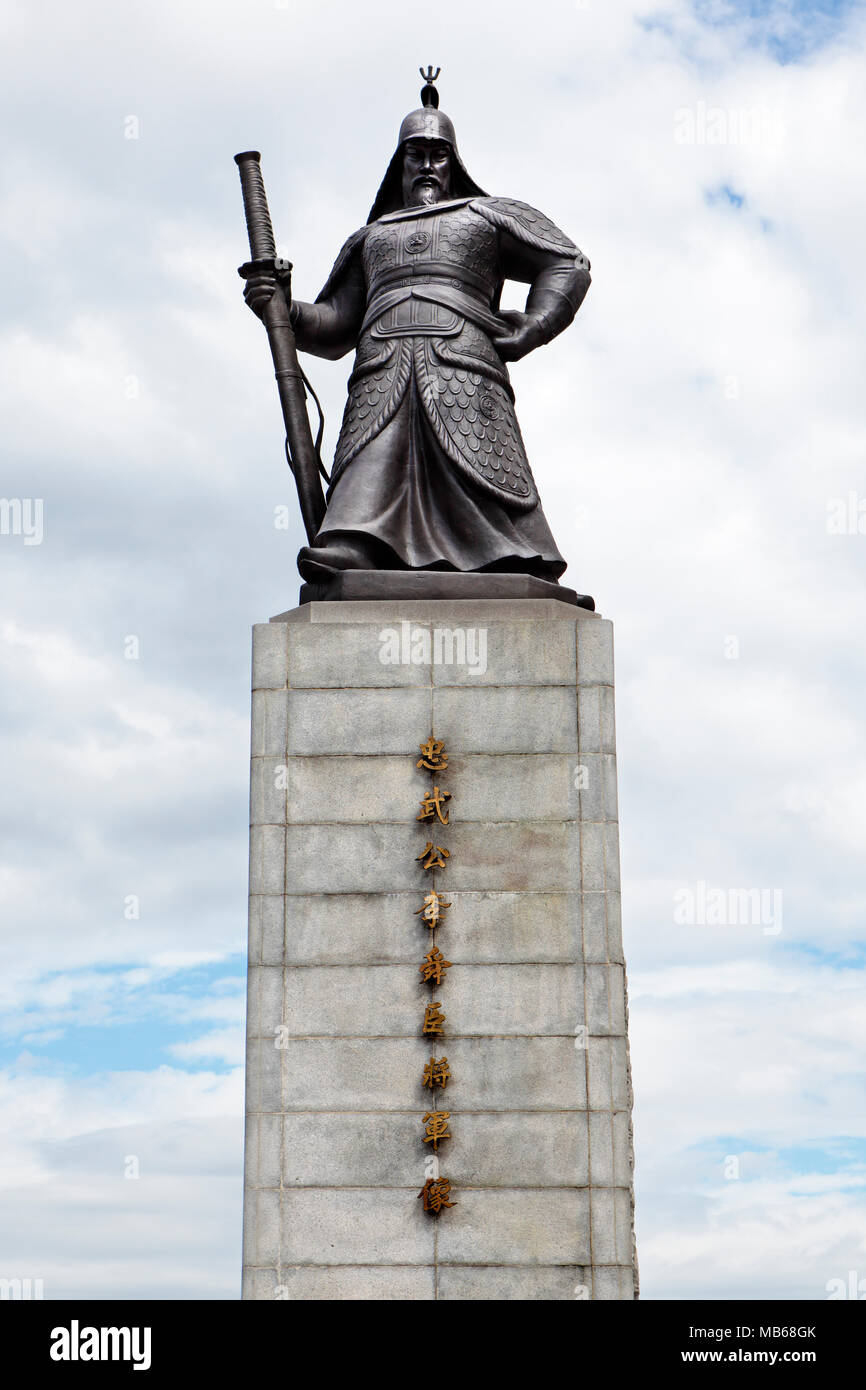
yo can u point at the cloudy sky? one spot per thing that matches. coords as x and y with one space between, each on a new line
699 438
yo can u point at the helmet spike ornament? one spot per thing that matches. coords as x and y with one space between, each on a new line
425 123
429 94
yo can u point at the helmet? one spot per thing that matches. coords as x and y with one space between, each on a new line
427 123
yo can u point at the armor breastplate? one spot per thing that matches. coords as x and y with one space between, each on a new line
432 279
453 252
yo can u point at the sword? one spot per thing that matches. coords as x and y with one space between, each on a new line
301 451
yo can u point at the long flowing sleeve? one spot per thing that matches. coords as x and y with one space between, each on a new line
330 327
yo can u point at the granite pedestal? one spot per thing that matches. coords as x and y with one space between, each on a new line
540 1153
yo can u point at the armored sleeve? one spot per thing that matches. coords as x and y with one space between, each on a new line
330 327
534 250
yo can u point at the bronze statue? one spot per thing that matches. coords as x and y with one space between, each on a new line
430 471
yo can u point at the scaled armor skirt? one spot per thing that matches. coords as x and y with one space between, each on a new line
401 504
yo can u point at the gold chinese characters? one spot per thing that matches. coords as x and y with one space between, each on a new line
433 856
434 966
433 909
434 1019
436 1192
436 1073
433 756
436 1122
433 806
434 811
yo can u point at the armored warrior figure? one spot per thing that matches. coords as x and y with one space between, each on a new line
430 470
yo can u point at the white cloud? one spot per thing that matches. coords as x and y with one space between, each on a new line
75 1219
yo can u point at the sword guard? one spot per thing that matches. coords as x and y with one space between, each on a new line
267 265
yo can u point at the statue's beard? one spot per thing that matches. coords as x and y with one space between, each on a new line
427 192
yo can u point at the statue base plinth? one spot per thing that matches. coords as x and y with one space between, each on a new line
533 1017
358 585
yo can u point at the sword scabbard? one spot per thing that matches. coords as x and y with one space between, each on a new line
290 382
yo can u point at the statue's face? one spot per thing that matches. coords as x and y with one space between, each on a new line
426 172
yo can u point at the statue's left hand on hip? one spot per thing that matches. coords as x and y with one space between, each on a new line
525 334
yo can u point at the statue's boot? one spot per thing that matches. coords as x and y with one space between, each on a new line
339 550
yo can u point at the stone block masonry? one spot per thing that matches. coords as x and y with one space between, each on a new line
540 1154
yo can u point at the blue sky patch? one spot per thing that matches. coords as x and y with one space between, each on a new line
788 30
116 1023
724 195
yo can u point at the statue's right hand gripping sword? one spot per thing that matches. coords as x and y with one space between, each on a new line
302 452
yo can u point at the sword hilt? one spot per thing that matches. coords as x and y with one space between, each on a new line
259 228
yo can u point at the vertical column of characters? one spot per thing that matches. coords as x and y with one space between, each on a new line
436 1192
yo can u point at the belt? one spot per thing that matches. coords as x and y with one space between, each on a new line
437 269
462 303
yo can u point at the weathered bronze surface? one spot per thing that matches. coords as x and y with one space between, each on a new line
430 473
361 585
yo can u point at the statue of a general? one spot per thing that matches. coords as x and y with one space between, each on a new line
430 470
